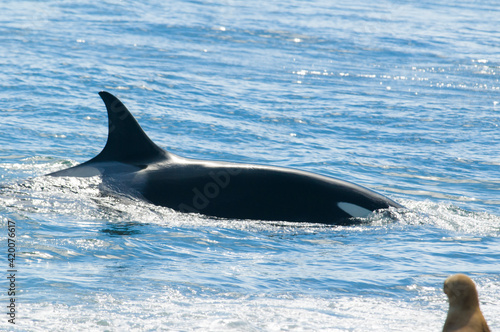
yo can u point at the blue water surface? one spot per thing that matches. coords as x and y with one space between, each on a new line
400 97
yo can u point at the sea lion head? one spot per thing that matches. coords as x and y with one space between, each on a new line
461 291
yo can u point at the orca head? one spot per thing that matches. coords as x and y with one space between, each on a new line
354 210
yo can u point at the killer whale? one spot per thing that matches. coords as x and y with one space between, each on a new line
133 163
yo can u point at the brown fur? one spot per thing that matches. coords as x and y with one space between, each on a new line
464 314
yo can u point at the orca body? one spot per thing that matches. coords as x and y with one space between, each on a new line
134 164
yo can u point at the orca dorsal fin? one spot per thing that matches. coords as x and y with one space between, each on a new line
127 142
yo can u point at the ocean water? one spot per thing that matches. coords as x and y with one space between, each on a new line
400 97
